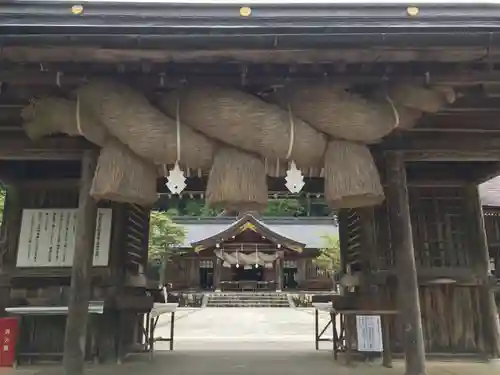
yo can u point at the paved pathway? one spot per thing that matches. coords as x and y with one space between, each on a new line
208 362
251 342
239 327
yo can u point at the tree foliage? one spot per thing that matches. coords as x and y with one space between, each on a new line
199 208
277 207
165 236
329 258
284 207
2 202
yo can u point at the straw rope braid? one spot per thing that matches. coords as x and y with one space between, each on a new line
58 79
394 111
178 135
178 128
77 114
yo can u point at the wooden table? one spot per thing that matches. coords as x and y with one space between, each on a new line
345 332
96 308
386 342
152 318
318 336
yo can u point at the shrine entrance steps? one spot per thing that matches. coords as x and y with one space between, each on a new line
247 299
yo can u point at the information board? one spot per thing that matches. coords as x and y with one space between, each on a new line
369 332
47 238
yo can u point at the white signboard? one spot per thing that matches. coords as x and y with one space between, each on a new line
47 238
369 332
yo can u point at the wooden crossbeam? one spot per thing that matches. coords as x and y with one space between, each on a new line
66 75
285 56
20 147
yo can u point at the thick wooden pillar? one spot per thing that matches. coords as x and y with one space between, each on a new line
480 262
217 273
195 274
11 225
81 275
402 243
9 238
279 272
301 273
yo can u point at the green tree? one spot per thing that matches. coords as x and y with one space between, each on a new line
165 237
2 202
284 207
199 208
329 258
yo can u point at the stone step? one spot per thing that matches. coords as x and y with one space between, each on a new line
240 299
256 301
249 298
247 305
247 295
248 302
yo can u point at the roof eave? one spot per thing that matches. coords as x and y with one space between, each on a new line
239 226
25 17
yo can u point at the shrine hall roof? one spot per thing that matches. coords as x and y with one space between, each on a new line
490 192
308 231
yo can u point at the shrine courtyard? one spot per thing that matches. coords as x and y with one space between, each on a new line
246 343
264 362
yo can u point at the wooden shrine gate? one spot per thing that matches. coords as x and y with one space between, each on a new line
215 100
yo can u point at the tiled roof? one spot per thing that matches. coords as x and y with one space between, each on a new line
490 192
308 231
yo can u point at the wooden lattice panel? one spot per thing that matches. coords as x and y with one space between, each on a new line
137 231
439 225
354 243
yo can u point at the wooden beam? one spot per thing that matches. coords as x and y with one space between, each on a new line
480 260
81 275
67 74
452 155
460 143
39 54
20 147
402 242
53 183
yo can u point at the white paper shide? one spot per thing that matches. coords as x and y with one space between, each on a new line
47 238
